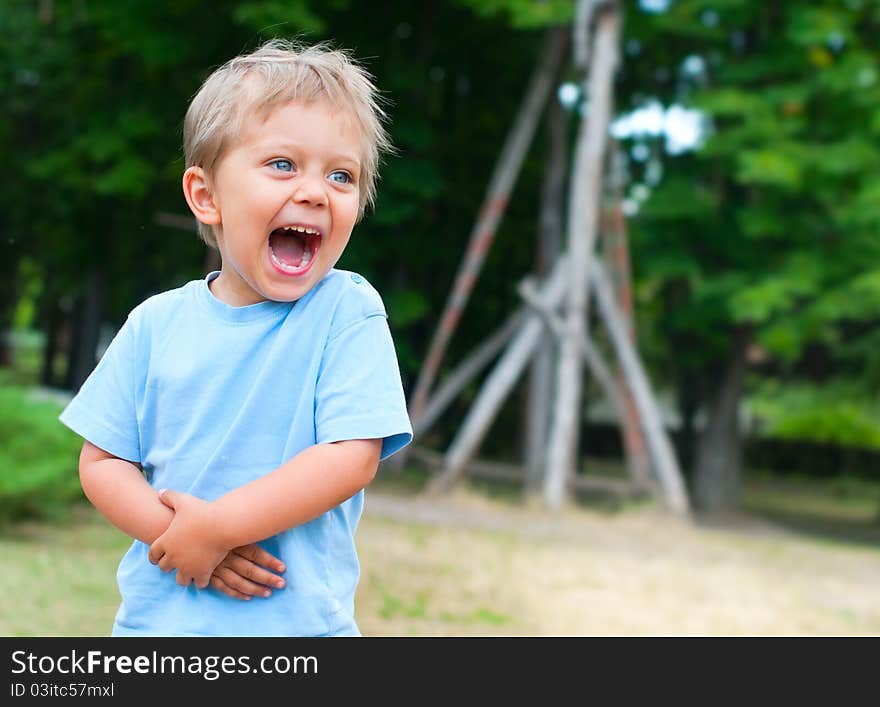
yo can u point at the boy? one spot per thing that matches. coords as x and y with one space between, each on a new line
254 405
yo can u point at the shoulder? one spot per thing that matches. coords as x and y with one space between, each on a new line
162 306
349 296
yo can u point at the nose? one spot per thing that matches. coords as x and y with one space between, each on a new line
310 190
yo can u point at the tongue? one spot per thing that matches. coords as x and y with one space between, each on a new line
288 248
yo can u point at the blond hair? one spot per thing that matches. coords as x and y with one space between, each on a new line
287 72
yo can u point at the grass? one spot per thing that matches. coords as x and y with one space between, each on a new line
842 509
482 566
802 559
59 577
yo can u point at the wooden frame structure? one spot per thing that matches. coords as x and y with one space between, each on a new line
558 302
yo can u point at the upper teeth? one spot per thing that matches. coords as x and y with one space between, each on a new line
301 229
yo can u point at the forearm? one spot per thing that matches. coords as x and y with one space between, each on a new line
119 491
314 481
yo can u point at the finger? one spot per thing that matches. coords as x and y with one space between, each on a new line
221 586
157 551
255 573
168 497
202 582
255 553
182 581
165 564
235 581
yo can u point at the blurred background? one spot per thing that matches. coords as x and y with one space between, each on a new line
748 143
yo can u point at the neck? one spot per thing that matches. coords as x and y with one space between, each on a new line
232 293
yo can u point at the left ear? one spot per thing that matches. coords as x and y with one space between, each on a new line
199 196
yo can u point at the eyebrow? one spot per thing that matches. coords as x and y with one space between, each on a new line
292 147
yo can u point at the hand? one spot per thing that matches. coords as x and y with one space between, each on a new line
242 574
190 544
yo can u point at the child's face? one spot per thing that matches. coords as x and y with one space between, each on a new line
286 196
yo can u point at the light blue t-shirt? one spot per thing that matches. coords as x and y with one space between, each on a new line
207 397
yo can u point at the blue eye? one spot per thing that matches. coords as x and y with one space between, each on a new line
282 165
346 177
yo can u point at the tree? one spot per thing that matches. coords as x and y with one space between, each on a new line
765 239
96 94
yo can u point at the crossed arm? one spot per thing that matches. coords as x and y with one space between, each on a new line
195 536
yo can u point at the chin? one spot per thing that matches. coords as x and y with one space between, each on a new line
290 291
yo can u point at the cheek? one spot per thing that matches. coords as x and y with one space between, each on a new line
349 212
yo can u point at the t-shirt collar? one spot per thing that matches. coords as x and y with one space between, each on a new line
238 315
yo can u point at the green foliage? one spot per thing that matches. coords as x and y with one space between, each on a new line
768 299
524 14
408 306
779 166
836 414
277 17
38 457
95 95
774 223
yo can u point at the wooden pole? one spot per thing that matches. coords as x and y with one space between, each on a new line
499 383
668 473
583 221
581 32
537 412
592 358
494 205
550 229
465 373
616 254
501 471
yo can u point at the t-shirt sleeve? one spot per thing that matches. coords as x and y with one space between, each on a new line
359 392
104 411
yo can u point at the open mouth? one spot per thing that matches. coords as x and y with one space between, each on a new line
292 249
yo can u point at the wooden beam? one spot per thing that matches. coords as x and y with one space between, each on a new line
466 372
615 250
501 471
499 383
583 222
493 208
662 454
600 370
550 234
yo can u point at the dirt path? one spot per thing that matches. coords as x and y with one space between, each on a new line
465 565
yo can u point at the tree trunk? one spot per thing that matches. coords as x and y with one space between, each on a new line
7 357
88 325
53 326
689 387
719 451
8 302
